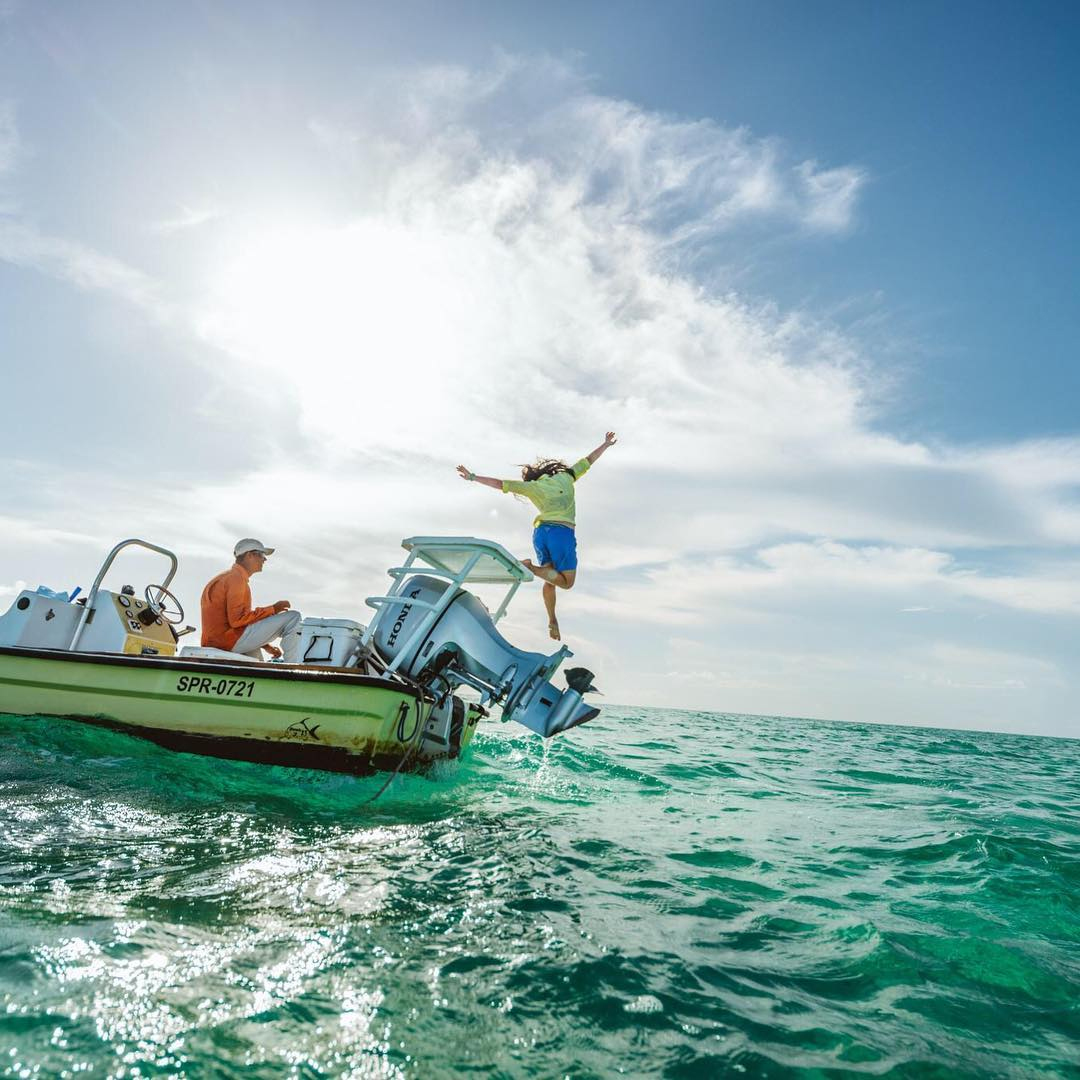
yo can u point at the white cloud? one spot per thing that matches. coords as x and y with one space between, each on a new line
539 123
23 244
1040 464
831 195
1045 592
18 531
8 592
524 274
831 576
188 217
958 667
82 266
695 676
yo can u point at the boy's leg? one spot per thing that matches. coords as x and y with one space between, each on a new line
549 603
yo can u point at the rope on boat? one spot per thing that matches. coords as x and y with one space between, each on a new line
417 737
414 743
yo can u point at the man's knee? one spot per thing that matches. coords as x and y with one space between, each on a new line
292 622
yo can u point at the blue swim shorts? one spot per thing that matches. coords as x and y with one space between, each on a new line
557 545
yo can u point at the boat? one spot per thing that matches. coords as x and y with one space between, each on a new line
400 693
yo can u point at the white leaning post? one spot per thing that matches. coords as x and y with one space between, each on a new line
506 602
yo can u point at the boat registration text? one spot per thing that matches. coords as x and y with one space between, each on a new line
198 684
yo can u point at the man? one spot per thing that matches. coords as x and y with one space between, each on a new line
230 622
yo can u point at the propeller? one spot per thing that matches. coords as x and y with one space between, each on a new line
580 679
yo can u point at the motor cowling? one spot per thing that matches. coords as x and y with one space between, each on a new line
463 646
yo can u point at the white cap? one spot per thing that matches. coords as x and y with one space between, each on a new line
248 544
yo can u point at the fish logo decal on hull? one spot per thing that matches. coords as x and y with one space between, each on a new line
300 730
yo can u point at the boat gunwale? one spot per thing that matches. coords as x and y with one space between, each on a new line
296 673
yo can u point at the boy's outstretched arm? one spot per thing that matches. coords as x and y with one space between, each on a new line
490 481
609 440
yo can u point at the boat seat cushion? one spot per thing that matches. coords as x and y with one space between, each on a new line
204 652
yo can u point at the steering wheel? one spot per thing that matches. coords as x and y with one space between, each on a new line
160 610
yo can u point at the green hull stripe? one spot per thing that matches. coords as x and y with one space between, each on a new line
181 698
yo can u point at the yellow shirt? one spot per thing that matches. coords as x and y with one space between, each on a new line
553 496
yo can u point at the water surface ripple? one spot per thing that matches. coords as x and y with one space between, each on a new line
660 893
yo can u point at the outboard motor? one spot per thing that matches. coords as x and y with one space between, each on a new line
463 647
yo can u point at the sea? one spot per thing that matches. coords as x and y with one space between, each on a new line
659 893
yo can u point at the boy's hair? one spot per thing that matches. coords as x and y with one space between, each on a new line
543 467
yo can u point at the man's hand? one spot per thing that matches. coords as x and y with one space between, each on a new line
273 650
465 474
609 439
280 606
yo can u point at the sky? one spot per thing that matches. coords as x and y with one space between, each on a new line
274 269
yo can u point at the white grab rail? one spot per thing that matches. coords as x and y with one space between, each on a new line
91 599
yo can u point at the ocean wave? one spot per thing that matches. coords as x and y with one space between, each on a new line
659 893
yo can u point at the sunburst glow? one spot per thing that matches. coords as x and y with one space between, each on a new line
364 321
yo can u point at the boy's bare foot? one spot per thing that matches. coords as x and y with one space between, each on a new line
553 630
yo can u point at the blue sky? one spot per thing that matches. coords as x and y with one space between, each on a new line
277 268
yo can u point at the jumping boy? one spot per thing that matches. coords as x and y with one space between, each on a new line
549 486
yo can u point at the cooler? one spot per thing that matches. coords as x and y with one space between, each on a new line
329 642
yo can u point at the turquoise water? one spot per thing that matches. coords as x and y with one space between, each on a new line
660 893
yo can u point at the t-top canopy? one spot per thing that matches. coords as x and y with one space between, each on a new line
495 566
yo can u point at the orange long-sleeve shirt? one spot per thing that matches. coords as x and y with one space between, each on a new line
226 608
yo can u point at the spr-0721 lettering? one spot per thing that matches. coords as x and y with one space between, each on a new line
201 684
